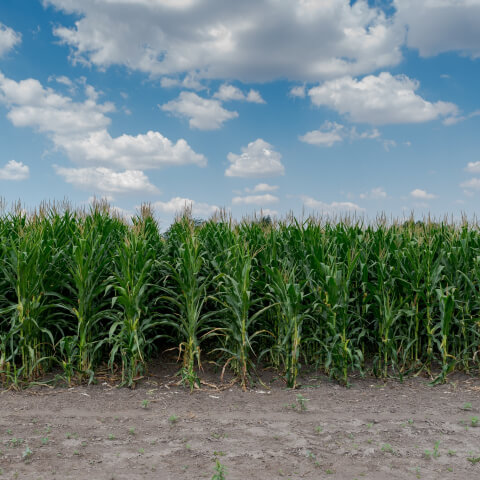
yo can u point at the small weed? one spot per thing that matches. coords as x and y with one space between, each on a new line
141 451
9 432
131 431
44 441
145 403
220 471
76 452
111 436
219 453
467 406
473 460
474 421
435 453
189 377
387 448
318 429
302 402
451 453
27 453
15 442
173 419
329 472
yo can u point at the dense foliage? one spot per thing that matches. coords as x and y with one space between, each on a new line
81 290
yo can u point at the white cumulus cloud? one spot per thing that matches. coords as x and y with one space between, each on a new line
265 199
228 92
258 159
298 91
248 40
473 167
64 80
332 132
253 96
329 134
105 180
79 128
14 171
144 151
32 105
332 208
472 184
8 39
190 82
262 187
374 194
382 99
178 205
202 113
419 194
436 26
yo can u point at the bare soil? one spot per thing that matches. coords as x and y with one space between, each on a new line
374 430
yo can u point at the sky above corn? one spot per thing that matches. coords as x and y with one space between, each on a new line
305 106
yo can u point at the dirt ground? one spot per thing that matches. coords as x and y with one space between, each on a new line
374 430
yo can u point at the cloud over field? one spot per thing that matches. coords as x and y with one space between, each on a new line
305 40
9 38
14 171
79 128
258 159
379 100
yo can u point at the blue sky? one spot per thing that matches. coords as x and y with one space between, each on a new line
325 107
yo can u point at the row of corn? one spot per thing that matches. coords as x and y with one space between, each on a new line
82 291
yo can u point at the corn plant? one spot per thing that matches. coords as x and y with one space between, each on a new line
80 288
132 332
447 305
342 327
388 342
238 324
89 266
288 296
184 292
24 268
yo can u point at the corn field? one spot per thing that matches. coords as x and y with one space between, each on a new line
80 291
